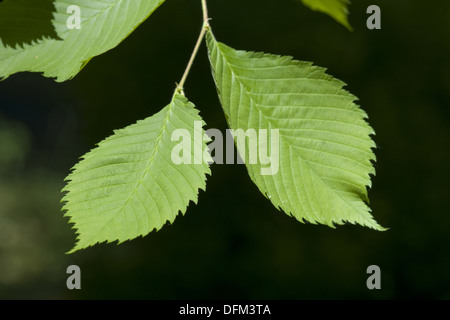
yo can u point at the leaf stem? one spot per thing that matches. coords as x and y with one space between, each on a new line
205 27
205 12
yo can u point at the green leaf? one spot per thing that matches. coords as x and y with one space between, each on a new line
39 40
325 149
129 185
25 21
337 9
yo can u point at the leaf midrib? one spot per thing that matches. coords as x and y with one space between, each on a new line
287 140
144 174
48 41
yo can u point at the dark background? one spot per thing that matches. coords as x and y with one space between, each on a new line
234 244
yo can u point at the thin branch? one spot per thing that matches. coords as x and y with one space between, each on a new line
205 27
205 12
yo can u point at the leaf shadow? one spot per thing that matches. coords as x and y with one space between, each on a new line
26 21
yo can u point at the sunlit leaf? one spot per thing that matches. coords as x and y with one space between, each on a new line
337 9
129 185
28 42
325 148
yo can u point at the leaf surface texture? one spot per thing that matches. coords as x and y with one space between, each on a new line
54 49
128 185
325 148
337 9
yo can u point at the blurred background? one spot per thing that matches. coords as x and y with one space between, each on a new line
234 244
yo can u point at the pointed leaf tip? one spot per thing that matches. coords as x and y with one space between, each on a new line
322 155
130 185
